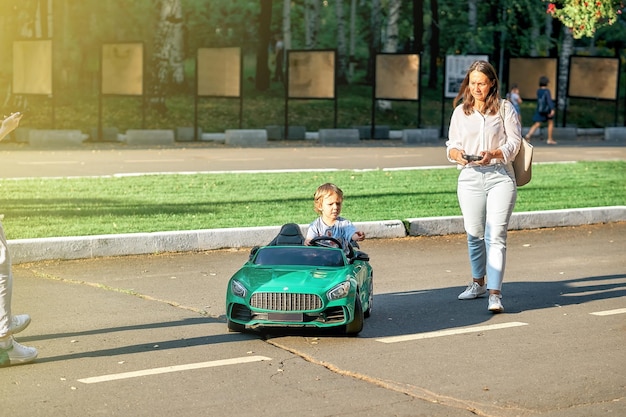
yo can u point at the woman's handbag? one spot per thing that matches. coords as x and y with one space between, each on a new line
523 163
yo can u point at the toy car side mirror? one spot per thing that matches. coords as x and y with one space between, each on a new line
360 256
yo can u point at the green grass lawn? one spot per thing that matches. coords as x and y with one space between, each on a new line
53 207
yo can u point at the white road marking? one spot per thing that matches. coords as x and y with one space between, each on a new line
424 168
49 163
403 156
241 159
610 312
133 161
451 332
409 293
177 368
256 171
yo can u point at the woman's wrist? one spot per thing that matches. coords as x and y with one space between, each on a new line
497 154
454 154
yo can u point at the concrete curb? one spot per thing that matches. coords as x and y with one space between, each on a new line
82 247
433 226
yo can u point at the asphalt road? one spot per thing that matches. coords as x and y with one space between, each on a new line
145 335
115 159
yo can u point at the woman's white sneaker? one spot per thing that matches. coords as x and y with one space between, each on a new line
13 353
474 290
18 323
495 305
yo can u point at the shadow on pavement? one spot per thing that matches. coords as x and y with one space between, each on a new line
142 347
432 310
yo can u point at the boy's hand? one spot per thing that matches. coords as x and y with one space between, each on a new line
358 236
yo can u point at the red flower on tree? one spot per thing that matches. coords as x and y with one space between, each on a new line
583 17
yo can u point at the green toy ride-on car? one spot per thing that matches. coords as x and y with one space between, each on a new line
289 284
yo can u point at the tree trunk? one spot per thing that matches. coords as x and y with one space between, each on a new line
472 19
499 39
262 67
342 50
44 19
26 18
567 48
167 57
417 45
351 59
434 44
552 27
312 22
391 41
287 24
374 47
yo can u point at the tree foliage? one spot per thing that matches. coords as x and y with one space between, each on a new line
583 17
508 27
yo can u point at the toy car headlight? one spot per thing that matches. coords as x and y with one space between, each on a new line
339 291
238 289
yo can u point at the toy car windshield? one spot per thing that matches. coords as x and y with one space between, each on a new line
308 256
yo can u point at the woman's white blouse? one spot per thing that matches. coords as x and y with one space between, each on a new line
478 132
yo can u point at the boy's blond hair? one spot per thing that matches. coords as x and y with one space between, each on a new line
323 191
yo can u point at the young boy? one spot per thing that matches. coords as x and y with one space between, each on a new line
327 203
515 99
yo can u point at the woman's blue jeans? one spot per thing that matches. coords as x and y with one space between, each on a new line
487 197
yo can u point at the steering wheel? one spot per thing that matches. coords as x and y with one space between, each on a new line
326 242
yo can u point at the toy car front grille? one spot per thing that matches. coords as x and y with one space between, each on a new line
277 301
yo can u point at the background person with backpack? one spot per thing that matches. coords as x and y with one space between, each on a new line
544 112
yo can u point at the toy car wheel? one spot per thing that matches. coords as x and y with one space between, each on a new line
235 327
370 301
356 325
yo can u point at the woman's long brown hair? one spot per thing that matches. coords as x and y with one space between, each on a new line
492 103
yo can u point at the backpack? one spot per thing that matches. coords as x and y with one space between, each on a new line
543 103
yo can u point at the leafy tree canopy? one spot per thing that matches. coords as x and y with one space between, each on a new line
583 17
